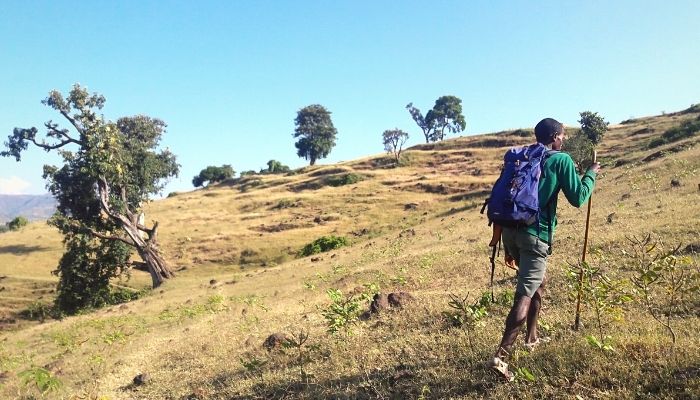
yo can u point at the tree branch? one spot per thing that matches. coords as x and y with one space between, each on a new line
103 189
111 237
64 132
73 122
48 147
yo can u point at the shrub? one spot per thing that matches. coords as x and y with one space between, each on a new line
342 312
286 203
695 108
323 244
78 290
523 133
40 378
37 311
213 174
668 282
119 295
580 148
593 126
17 223
685 130
345 179
467 315
275 167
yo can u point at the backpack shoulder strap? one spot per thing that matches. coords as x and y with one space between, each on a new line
548 154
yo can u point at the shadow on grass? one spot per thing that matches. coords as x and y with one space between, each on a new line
20 249
453 211
480 195
403 381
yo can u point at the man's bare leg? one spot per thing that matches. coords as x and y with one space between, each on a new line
516 318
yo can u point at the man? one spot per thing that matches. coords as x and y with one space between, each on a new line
528 246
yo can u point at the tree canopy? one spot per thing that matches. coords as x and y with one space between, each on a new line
426 126
593 126
17 223
580 146
109 170
275 167
394 140
446 115
315 131
213 174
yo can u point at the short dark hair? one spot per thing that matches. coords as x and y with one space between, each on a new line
547 129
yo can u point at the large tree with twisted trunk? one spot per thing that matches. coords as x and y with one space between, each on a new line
109 170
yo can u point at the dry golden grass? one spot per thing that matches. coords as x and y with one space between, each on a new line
239 280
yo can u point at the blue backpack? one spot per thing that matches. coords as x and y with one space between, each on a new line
514 199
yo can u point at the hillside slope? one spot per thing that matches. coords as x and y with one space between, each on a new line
415 228
32 207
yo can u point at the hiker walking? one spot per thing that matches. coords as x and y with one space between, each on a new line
527 239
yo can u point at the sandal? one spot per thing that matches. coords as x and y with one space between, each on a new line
501 368
531 346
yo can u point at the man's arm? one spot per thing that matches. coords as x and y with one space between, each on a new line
577 190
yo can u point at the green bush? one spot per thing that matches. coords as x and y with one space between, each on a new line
275 167
342 312
523 133
213 174
580 148
40 378
323 244
119 295
38 311
345 179
685 130
17 223
695 108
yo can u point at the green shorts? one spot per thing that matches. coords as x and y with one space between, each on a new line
531 254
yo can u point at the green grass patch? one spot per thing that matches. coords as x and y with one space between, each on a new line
323 244
342 180
685 130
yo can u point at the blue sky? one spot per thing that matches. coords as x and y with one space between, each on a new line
228 77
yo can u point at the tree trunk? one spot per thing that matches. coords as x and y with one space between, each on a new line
145 246
157 266
148 251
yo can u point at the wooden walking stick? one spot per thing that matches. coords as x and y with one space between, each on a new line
583 256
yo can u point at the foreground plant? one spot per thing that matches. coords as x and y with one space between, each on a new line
342 313
304 353
41 379
467 315
605 295
668 284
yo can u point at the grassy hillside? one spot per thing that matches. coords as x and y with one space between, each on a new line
415 228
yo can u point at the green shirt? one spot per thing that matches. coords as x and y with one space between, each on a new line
559 173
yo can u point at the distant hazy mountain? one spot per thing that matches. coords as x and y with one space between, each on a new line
32 207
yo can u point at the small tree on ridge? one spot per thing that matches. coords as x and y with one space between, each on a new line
394 140
446 115
213 174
